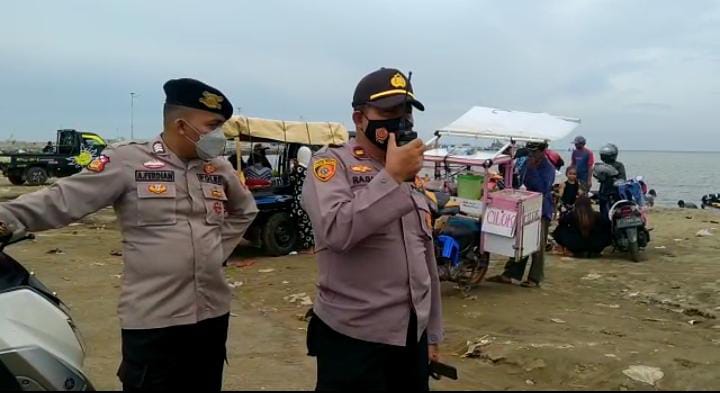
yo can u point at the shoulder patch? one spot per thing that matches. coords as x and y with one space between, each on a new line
324 168
98 165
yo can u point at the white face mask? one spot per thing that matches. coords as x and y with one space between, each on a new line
209 145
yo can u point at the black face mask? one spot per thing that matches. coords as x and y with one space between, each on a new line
378 131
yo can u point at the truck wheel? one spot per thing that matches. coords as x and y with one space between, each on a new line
36 176
279 235
16 179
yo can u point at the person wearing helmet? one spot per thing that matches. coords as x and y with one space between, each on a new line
608 155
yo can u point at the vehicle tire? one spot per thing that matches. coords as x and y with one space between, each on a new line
36 176
16 179
634 249
279 235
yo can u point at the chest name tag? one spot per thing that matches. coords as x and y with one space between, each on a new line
212 179
358 179
155 176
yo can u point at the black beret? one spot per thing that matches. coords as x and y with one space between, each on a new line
195 94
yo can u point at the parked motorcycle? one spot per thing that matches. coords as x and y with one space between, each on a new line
40 347
457 240
625 211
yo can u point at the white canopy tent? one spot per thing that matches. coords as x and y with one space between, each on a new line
483 122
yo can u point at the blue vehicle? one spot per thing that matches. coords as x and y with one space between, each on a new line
274 229
457 243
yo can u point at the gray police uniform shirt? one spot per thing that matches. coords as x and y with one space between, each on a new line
180 220
374 249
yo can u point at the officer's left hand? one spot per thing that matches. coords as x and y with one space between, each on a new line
434 352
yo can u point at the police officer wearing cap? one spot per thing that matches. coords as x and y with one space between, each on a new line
377 318
182 211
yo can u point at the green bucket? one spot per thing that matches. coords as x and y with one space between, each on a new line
470 186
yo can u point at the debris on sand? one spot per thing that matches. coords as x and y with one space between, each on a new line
536 364
694 322
644 374
116 253
242 264
704 233
655 320
235 284
474 349
74 224
558 320
592 277
301 299
660 247
694 312
529 382
98 264
56 251
266 270
614 306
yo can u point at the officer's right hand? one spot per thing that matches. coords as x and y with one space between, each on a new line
404 162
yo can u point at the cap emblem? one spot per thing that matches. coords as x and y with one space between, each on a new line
211 100
398 81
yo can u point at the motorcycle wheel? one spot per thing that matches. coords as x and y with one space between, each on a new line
472 276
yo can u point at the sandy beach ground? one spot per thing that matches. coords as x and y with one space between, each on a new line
592 320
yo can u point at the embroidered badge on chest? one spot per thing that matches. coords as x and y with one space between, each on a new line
361 168
154 164
218 208
157 189
209 168
158 148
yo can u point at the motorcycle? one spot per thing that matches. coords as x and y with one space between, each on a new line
625 211
457 241
40 346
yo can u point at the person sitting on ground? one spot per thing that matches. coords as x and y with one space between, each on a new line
569 190
582 232
686 205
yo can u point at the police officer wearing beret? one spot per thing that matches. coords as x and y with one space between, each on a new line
377 315
182 211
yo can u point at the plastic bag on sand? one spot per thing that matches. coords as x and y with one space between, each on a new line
644 374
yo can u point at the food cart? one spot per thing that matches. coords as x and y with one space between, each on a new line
510 218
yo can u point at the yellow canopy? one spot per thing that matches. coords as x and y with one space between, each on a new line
308 133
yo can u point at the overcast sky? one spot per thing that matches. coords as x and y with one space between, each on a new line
641 73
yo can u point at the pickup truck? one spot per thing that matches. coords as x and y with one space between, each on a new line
73 151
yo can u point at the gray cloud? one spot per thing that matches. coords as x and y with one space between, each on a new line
619 65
